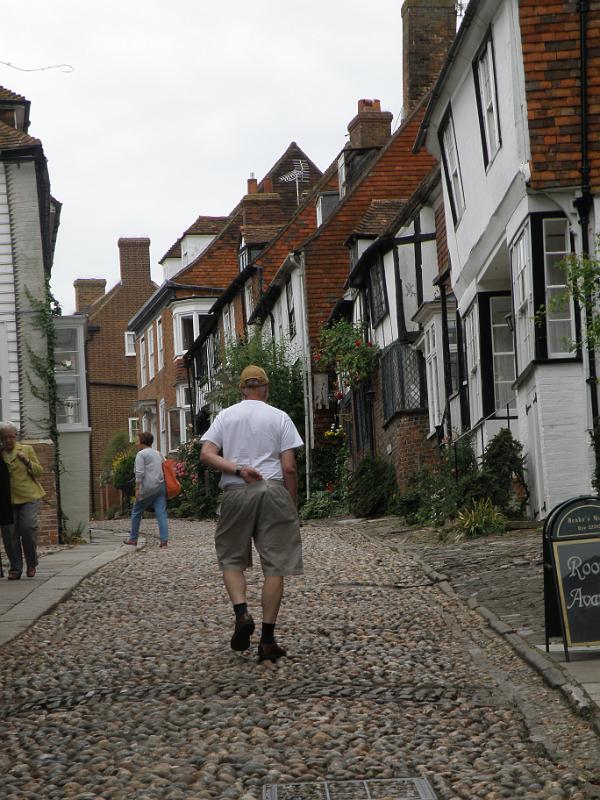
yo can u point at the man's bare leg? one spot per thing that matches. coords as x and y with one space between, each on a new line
235 583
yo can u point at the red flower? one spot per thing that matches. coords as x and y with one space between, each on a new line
330 487
317 357
338 395
369 344
358 342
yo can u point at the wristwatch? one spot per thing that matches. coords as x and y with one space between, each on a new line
238 472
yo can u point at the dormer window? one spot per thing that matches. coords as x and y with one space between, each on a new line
326 202
342 174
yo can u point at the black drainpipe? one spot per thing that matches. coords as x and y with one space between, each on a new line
583 205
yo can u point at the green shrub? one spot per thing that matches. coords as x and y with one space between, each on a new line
122 468
370 487
322 504
483 518
200 493
435 495
118 443
503 463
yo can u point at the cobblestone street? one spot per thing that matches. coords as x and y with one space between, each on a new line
129 690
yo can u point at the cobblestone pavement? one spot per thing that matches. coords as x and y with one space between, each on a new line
129 690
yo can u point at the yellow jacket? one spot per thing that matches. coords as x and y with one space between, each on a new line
23 488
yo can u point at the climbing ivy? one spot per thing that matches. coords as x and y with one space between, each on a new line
43 380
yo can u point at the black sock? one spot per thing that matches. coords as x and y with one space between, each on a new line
268 633
240 608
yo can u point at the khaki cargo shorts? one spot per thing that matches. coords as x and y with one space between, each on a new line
262 511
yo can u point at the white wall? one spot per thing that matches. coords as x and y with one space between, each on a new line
192 246
490 195
9 368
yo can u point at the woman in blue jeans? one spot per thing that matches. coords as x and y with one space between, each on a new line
150 490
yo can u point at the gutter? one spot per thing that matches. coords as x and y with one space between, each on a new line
583 205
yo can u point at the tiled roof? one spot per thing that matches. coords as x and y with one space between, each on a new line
379 215
218 263
259 234
206 226
12 139
7 95
551 57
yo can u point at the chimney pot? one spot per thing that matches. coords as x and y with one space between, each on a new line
267 185
371 127
369 105
252 184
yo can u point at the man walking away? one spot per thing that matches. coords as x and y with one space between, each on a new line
259 479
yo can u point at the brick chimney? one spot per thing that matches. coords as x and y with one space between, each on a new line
267 185
134 259
428 30
87 291
371 127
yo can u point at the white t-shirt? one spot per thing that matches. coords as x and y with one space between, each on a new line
253 434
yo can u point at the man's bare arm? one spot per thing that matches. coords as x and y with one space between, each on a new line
290 473
209 456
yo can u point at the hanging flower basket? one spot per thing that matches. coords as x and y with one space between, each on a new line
344 350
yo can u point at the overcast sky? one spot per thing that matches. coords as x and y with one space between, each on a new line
171 105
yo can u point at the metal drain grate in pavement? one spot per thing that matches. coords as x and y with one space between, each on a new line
377 789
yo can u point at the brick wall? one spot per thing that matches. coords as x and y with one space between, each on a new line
428 28
112 377
406 435
47 520
550 42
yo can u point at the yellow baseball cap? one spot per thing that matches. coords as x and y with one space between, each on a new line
253 375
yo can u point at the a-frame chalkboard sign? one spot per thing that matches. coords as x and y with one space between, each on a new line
572 573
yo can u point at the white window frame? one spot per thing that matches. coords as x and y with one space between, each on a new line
523 298
133 426
229 322
184 410
433 376
150 338
160 346
249 299
162 425
74 372
454 177
557 288
130 343
143 356
488 105
471 326
291 311
499 409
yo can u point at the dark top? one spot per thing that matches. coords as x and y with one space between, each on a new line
6 512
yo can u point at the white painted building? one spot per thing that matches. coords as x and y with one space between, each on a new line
506 236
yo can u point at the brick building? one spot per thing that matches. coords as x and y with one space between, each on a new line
110 355
300 280
29 218
198 269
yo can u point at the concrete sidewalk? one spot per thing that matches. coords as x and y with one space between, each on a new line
24 601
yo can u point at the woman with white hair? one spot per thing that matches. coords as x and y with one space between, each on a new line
24 469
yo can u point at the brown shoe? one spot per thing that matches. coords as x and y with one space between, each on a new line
13 575
244 628
31 572
270 652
